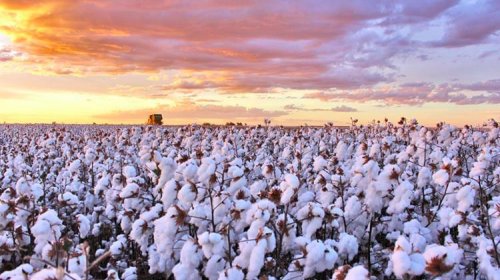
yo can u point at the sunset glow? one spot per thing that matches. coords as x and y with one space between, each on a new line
85 61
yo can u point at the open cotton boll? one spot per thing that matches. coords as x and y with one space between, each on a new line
312 218
352 207
118 246
347 245
485 260
169 194
83 225
232 273
129 171
441 177
206 169
320 257
78 265
357 273
319 163
238 180
211 244
401 263
261 211
424 177
167 166
19 273
215 265
131 190
442 259
22 187
190 171
53 273
402 198
75 166
190 259
256 187
37 191
448 217
187 194
289 187
47 229
130 273
257 259
68 198
465 197
405 261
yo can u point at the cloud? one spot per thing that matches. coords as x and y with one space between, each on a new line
418 94
189 110
248 46
344 109
471 23
7 54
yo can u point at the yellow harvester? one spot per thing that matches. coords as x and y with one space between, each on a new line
155 119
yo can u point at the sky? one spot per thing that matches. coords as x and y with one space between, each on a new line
294 62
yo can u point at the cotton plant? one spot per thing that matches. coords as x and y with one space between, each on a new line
405 260
250 202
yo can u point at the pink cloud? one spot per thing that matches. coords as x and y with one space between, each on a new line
252 46
471 24
417 94
190 110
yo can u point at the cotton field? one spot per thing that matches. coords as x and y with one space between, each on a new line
382 201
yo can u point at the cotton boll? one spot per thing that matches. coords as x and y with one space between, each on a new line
78 265
190 171
130 273
83 225
424 177
75 166
190 258
167 166
312 218
441 177
118 246
320 257
211 244
53 273
444 257
214 266
319 163
46 229
238 179
402 198
352 207
187 194
256 187
289 187
37 191
169 194
465 197
347 245
401 263
22 187
417 264
233 273
131 190
357 273
326 195
257 259
129 171
19 273
485 260
206 169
